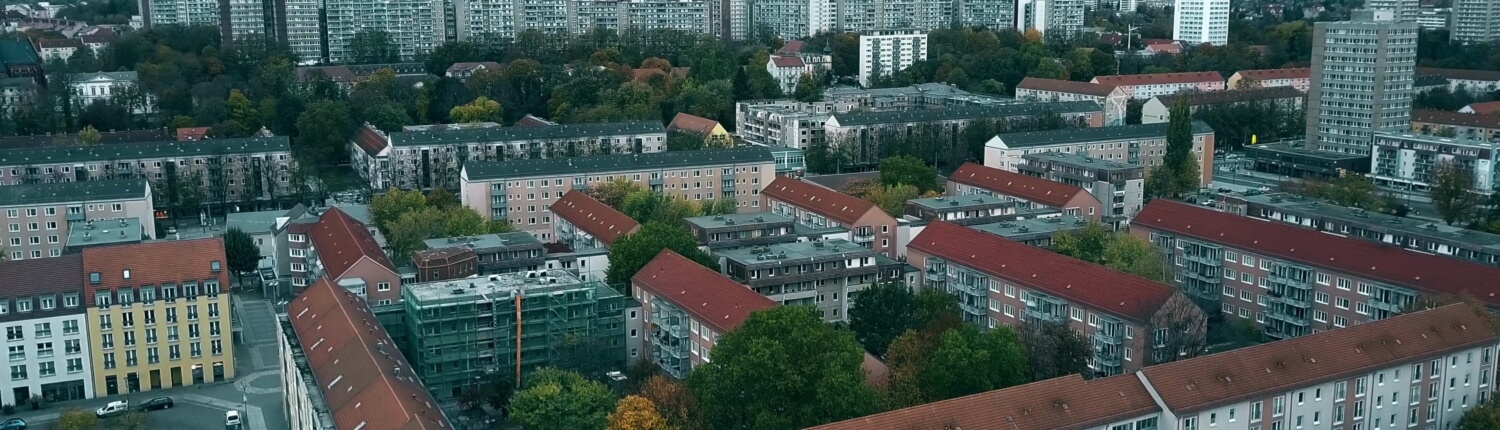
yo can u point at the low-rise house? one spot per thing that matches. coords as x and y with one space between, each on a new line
443 264
1119 187
787 70
819 208
462 71
109 86
712 133
345 252
16 92
823 274
57 49
1481 108
1023 192
19 60
1299 78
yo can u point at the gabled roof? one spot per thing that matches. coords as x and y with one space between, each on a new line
1030 188
791 47
595 218
1484 108
136 151
370 140
533 121
365 380
1219 379
482 171
1094 134
1274 74
1232 96
77 191
470 66
1461 74
1159 78
709 297
1454 118
692 123
341 241
844 208
1168 48
1375 261
58 43
1061 86
1099 287
788 61
156 263
189 134
1065 403
30 277
112 76
647 72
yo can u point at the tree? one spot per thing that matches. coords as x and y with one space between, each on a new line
1178 173
324 130
1483 417
561 400
497 389
240 251
1054 349
807 89
1178 331
631 253
407 233
783 368
372 47
648 205
89 136
968 362
1450 192
480 110
241 110
908 170
463 221
881 313
386 208
613 192
684 141
673 401
77 419
636 413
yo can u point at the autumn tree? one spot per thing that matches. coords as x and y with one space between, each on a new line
77 419
613 192
1451 194
480 110
636 413
673 401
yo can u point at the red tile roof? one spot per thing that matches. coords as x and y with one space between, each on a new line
788 61
1259 371
1065 403
533 121
341 241
832 204
364 378
1484 108
1061 86
692 123
791 47
1058 275
58 43
1461 74
1274 74
595 218
1375 261
370 139
192 133
1454 118
30 277
1170 48
709 297
155 263
1159 79
1034 189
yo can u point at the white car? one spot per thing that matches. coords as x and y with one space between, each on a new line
231 419
113 408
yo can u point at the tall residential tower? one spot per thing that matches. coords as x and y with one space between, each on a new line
1362 80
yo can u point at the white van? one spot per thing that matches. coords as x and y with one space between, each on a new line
231 420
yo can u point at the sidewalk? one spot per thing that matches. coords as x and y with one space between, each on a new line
220 390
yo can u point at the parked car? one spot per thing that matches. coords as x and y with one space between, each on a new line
113 408
232 420
13 424
156 403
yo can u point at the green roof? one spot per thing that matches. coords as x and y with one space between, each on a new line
1093 134
965 113
135 151
475 171
18 52
62 192
558 132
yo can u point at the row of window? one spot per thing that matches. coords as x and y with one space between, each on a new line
40 331
44 369
174 352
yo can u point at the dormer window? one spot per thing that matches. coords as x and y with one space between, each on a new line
214 265
126 273
94 277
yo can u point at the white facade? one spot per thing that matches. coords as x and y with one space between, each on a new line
886 52
246 18
180 12
302 401
1475 21
47 352
1054 18
415 27
91 87
682 15
1404 10
302 34
1196 22
793 19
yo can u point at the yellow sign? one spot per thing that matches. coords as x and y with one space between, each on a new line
1253 138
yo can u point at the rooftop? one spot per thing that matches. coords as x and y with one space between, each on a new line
692 123
1298 149
105 232
1025 228
794 253
341 241
73 192
155 263
831 204
711 298
597 219
1079 159
965 113
743 220
1055 274
483 171
500 287
71 139
254 222
1454 118
950 203
1275 74
1092 134
1373 261
1461 74
486 241
1062 86
1159 78
1386 222
1065 403
1232 96
56 275
505 134
1030 188
137 151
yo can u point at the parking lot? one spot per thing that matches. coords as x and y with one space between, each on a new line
186 413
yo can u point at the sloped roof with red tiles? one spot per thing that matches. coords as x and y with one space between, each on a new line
1058 275
692 123
365 380
1159 79
1065 403
1454 118
192 133
58 43
1061 86
788 61
646 73
370 139
1170 48
1031 188
792 47
155 263
1206 382
1375 261
831 204
1484 108
709 297
593 217
341 241
533 121
1274 74
1461 74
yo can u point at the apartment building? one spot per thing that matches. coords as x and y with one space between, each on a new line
184 284
431 158
557 316
1473 81
794 19
1197 22
224 165
289 237
719 232
1295 281
688 16
1461 125
685 307
1023 192
864 129
1141 144
1411 162
870 16
523 190
1159 108
824 274
588 228
442 264
1037 232
185 13
1119 187
1128 319
338 373
1144 87
794 124
1396 373
41 216
1474 21
819 208
1295 77
970 209
1053 18
415 27
1414 234
889 51
1379 51
1056 90
41 312
342 249
498 253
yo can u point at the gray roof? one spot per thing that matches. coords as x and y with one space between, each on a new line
254 222
1033 227
485 241
118 76
744 219
63 192
615 163
1093 134
946 203
558 132
1384 221
965 113
1301 150
104 232
1079 159
135 151
795 253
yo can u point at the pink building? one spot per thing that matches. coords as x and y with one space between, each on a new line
1023 191
818 208
1296 77
39 217
224 165
1142 87
687 307
343 251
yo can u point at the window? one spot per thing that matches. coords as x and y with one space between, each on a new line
14 333
1341 303
1321 297
1248 261
75 365
18 373
44 349
1255 411
43 330
1278 406
1190 423
174 352
1077 314
17 352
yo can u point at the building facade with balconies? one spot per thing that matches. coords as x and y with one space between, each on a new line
824 274
818 208
1431 237
1024 192
587 228
1119 187
1140 144
685 309
1411 162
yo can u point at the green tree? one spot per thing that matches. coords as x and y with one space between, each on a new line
240 252
77 419
1054 349
561 400
908 170
784 368
497 389
324 130
372 47
631 253
1451 194
684 141
807 89
613 192
1485 416
881 313
463 221
647 205
1096 244
480 110
1178 173
386 208
967 361
407 232
241 110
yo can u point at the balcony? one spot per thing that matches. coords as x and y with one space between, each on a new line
1106 359
859 237
1290 301
1384 305
1112 337
973 310
1287 318
936 275
1211 261
1040 315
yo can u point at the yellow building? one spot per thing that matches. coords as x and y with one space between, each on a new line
714 135
158 315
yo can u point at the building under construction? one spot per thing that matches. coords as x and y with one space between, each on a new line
461 330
